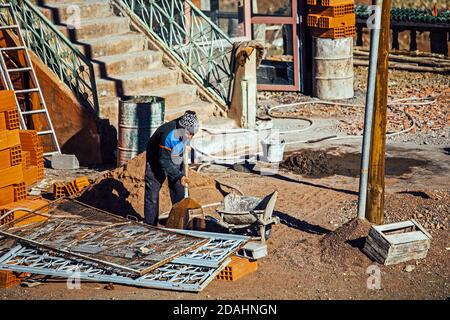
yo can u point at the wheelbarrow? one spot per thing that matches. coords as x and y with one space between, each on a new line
247 212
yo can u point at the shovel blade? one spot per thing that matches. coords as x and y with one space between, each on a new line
179 215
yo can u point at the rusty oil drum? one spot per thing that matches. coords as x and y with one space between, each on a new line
139 117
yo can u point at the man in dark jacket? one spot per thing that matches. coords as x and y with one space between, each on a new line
165 159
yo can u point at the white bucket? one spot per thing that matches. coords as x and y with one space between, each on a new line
273 151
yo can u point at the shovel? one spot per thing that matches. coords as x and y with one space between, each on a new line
179 215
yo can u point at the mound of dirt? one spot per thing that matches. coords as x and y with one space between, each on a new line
312 163
343 246
121 191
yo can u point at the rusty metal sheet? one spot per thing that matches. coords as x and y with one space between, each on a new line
79 230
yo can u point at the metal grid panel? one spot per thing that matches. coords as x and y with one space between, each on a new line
169 276
78 230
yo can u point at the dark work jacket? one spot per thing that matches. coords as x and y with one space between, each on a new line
162 146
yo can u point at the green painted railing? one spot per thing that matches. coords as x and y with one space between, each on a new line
56 51
191 37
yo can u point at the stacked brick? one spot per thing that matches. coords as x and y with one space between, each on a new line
71 188
237 268
332 19
21 163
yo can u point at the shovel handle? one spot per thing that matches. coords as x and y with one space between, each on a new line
186 171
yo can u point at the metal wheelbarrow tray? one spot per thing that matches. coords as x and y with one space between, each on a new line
247 212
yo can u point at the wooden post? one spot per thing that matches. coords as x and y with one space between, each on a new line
375 193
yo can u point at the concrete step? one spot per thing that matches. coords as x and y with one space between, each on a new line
175 97
59 12
109 109
126 63
205 110
96 28
113 45
135 82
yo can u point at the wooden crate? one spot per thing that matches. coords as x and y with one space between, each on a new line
237 268
397 242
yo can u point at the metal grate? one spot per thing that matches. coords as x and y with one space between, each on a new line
78 230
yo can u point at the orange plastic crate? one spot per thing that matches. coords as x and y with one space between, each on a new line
11 176
334 11
237 268
330 22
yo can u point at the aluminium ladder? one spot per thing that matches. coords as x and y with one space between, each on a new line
9 22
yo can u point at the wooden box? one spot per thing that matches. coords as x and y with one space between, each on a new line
397 242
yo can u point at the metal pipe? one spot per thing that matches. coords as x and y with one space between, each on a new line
368 118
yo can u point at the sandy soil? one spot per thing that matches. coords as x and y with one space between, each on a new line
299 264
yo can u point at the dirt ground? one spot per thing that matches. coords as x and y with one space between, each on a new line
310 207
317 188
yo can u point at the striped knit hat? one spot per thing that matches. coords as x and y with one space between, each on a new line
190 122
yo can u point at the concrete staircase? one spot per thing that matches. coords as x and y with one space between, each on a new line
124 62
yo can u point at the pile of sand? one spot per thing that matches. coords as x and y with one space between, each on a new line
121 191
343 246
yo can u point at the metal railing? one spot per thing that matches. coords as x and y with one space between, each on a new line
57 52
191 37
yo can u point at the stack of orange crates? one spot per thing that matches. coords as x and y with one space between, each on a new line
21 162
332 19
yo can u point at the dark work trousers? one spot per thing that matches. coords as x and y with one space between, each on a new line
154 178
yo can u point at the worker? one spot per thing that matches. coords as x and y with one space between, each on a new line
165 160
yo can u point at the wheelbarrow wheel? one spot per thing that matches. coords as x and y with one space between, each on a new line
268 232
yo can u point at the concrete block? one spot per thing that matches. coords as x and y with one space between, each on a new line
64 162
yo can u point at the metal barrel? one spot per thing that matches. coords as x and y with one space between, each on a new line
333 68
139 117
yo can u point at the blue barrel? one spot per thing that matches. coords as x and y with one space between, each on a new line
139 117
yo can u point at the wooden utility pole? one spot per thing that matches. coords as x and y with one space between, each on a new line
375 192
